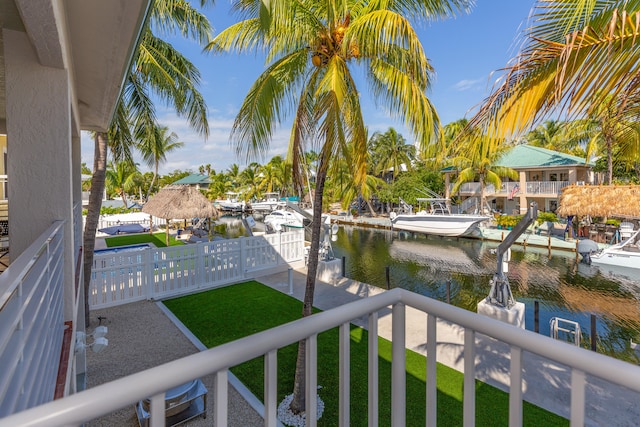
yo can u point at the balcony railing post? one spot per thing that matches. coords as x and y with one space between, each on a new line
469 399
432 390
398 367
271 389
221 405
515 391
311 383
372 338
345 381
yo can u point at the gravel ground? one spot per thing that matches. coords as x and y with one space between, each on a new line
141 336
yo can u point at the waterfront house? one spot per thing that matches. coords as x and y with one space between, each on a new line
62 65
542 173
197 180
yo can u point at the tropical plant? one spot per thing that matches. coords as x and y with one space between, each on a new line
476 160
607 130
548 135
159 68
390 151
120 179
312 48
154 145
579 58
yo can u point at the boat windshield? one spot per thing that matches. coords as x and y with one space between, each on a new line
436 205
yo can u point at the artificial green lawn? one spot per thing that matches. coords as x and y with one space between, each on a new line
225 314
157 239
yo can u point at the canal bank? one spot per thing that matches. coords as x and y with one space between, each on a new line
492 234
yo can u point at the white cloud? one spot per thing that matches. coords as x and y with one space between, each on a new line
464 85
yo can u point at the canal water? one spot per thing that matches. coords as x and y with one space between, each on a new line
562 286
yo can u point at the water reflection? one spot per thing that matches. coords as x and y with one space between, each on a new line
562 286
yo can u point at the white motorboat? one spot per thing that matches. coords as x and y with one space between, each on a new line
270 202
281 220
438 220
624 254
232 203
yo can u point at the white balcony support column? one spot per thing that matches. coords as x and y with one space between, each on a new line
157 410
38 104
515 389
469 397
432 389
398 366
311 383
271 389
522 194
373 369
345 372
578 380
221 403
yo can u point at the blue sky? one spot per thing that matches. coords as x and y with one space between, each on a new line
464 51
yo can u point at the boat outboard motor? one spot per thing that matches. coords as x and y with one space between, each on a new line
585 248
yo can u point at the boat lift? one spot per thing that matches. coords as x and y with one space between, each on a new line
500 293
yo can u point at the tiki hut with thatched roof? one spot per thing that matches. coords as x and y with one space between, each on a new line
179 201
620 201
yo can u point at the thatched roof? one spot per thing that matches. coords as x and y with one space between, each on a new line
179 201
600 200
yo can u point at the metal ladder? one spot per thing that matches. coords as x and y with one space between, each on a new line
565 330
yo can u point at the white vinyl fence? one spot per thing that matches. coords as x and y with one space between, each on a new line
139 273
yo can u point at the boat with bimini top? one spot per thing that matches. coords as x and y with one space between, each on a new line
437 220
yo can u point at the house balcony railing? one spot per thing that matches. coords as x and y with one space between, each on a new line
31 323
532 188
580 363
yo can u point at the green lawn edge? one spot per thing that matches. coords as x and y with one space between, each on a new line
225 314
158 239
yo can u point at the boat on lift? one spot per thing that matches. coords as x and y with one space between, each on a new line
282 220
624 254
437 220
232 203
270 202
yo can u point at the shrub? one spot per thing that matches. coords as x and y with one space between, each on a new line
546 217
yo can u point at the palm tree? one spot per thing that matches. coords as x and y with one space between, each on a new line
578 58
476 161
605 129
154 146
121 179
312 49
159 68
548 135
391 151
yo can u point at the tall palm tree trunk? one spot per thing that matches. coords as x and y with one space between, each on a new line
93 213
298 402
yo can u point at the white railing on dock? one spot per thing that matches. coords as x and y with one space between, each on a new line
106 398
156 273
32 323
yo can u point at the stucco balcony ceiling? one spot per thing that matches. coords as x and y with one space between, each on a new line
94 39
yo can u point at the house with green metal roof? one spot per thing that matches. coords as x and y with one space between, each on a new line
197 180
542 173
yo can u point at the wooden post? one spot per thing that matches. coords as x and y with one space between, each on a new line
594 333
577 253
536 317
386 271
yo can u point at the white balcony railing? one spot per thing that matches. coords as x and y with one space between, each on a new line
106 398
31 323
531 188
